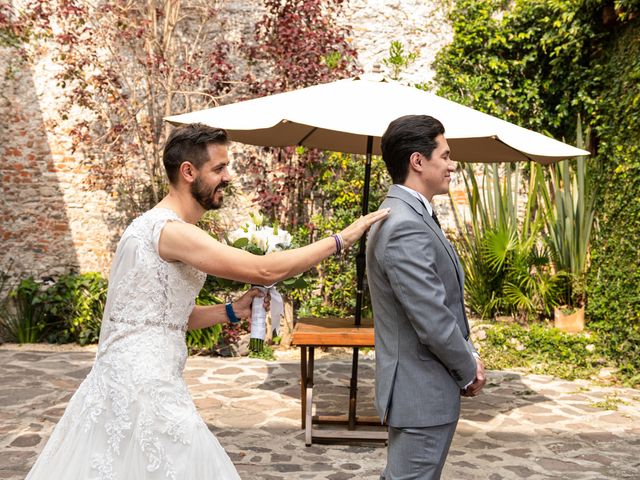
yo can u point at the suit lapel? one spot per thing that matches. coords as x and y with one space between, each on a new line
421 209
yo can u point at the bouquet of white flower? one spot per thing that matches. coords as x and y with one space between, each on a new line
260 239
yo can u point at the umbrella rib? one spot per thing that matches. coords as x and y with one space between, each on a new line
311 132
495 137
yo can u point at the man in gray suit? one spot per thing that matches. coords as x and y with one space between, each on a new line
424 358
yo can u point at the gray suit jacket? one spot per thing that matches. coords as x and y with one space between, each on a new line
423 353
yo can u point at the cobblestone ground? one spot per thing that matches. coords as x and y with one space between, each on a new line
531 427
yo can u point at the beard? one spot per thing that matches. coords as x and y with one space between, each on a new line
205 195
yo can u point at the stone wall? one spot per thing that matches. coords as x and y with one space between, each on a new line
51 222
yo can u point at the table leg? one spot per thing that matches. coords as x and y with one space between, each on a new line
308 431
353 390
303 384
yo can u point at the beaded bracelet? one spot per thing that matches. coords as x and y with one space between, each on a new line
231 314
339 243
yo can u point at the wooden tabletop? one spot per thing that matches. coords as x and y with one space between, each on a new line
333 332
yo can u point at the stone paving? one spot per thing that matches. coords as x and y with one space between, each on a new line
522 427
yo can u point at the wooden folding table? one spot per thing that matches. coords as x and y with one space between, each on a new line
310 333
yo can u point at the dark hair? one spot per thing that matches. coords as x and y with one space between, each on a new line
404 136
188 143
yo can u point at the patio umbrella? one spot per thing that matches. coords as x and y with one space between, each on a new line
342 115
351 115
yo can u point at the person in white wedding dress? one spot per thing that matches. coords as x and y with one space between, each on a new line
132 418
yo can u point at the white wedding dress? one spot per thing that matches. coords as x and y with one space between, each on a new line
132 418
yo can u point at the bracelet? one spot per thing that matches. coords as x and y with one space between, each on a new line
339 243
231 314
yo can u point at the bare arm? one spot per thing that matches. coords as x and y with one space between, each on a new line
206 316
188 244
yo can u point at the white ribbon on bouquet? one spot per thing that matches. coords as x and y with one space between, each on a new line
259 314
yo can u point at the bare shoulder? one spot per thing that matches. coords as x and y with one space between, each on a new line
179 238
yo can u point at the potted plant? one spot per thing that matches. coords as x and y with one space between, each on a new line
568 202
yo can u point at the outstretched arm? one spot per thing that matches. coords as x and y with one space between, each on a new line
189 244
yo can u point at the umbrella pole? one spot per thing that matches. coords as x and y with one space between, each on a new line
360 266
360 258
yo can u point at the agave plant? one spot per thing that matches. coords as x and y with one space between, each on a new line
507 266
568 199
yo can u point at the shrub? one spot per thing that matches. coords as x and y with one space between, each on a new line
544 350
21 317
205 338
73 308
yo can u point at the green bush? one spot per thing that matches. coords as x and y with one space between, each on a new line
21 314
339 181
73 308
69 310
206 338
540 64
543 350
613 286
507 267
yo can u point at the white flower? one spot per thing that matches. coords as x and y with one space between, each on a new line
235 235
261 238
266 239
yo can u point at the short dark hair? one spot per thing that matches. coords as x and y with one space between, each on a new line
188 143
404 136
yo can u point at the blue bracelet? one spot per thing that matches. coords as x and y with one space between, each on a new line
231 314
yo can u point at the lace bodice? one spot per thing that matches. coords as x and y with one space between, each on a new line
144 289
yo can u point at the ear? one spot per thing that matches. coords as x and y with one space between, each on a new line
415 161
188 171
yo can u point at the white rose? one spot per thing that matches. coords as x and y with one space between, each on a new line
235 235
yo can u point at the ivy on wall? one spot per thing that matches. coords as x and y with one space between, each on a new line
614 277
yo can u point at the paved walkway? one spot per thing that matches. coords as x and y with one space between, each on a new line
531 427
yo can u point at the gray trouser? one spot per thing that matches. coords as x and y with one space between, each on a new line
418 453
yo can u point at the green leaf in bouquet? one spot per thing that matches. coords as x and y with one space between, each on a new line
241 243
257 219
251 248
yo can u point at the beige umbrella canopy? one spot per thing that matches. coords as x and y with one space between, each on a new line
342 115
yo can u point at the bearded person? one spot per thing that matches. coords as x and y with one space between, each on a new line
132 417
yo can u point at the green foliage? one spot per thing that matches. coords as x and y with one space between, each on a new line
73 308
205 338
265 353
69 310
20 313
568 201
339 186
507 270
398 60
527 62
544 350
613 293
540 64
